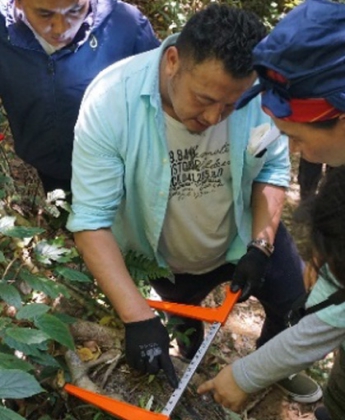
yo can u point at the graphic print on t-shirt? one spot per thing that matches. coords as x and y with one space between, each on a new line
195 173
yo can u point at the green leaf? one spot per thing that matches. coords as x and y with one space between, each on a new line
46 417
48 287
46 252
27 335
9 361
7 228
4 179
2 257
234 416
73 275
17 384
6 414
151 378
5 243
56 329
30 350
4 322
5 349
10 295
66 319
45 359
33 350
23 232
142 268
32 310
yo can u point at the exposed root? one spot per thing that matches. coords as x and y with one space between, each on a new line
106 337
78 371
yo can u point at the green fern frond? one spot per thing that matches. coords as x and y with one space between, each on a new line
142 268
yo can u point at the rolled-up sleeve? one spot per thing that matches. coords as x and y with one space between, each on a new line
97 164
276 169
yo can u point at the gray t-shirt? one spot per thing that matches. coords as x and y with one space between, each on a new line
199 222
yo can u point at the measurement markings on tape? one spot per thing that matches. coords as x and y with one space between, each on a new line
190 370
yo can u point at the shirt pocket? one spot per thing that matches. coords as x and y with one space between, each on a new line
252 166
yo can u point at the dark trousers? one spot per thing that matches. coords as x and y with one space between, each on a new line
334 395
283 285
50 184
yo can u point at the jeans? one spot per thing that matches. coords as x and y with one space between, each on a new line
283 285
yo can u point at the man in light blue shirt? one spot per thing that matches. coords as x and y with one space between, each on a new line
162 167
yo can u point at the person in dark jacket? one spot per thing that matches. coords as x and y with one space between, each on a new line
50 52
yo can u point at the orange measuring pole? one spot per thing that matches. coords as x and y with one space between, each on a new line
219 314
126 411
118 408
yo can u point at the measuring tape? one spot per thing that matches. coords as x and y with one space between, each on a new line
189 372
216 316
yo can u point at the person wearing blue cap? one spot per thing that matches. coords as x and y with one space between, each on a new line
301 79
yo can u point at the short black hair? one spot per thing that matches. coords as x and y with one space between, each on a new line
225 33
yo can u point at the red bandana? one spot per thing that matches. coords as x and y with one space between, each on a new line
305 110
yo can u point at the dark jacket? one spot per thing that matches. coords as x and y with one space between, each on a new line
41 93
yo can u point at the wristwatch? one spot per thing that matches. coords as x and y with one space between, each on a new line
263 245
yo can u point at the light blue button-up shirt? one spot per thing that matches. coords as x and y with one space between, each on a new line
121 170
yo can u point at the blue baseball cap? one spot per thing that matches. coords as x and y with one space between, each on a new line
306 54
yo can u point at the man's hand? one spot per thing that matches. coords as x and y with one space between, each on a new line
225 390
147 348
249 273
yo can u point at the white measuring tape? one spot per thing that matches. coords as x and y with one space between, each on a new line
189 372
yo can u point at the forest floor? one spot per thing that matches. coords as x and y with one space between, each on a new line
235 339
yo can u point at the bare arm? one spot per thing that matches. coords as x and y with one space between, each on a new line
103 258
267 206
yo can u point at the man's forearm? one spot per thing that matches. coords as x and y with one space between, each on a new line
104 259
267 206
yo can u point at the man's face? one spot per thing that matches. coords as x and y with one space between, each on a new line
318 145
200 95
56 21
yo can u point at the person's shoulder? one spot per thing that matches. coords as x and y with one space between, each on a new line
133 64
118 14
118 6
131 70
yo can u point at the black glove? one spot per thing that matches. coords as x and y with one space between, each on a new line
249 272
147 348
